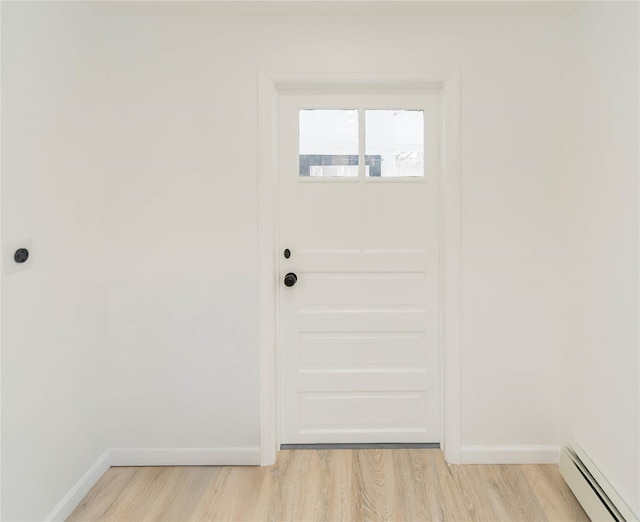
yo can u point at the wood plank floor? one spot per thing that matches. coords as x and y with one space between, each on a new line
334 485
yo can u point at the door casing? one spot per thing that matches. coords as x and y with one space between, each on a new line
270 86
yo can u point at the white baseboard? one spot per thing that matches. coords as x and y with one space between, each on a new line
510 454
80 489
185 457
151 457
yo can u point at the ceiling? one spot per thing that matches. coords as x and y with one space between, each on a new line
200 8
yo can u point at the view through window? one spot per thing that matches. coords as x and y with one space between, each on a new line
329 143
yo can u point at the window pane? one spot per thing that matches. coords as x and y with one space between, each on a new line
394 143
328 143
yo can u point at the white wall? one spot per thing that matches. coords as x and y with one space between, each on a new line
183 306
601 165
53 191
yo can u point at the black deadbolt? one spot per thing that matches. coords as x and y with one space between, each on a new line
21 255
290 279
287 253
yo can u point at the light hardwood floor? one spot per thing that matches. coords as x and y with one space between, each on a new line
334 485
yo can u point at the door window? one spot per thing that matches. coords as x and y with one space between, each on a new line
329 143
394 143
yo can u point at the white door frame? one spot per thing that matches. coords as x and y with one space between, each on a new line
270 85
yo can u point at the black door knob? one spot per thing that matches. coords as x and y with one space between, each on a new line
290 279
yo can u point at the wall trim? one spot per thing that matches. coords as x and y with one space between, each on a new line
150 457
75 495
185 457
269 85
510 454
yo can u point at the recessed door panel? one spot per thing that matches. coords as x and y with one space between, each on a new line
362 351
361 291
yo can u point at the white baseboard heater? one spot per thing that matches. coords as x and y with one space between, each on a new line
594 492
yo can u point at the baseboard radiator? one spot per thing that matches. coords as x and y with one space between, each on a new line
594 492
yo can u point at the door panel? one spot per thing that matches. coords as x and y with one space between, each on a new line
377 261
382 416
318 229
360 321
362 351
359 340
362 291
395 216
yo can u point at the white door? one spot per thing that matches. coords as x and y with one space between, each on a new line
358 212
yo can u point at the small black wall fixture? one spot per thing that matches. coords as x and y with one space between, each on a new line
21 255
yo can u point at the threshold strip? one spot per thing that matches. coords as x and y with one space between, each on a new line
376 445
